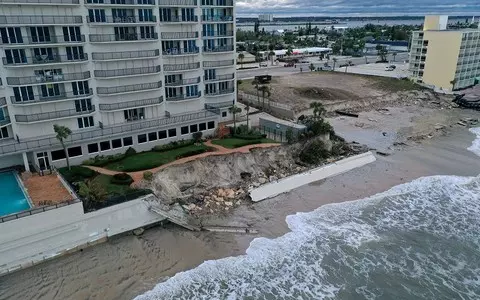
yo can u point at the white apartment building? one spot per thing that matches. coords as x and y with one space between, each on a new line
118 73
265 18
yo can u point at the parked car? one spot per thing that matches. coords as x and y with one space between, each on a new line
326 68
263 64
389 68
290 64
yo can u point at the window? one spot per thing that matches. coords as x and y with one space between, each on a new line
72 34
191 90
104 146
24 93
83 105
92 148
117 143
147 32
11 35
210 74
172 132
85 122
74 151
162 134
145 15
127 141
193 128
210 88
202 126
50 90
75 53
134 114
224 114
3 133
142 138
58 154
184 130
96 15
152 136
211 124
15 56
80 88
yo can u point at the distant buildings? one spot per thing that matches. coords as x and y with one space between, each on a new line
265 18
312 51
446 59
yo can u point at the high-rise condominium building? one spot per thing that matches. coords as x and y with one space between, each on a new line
446 59
265 18
118 73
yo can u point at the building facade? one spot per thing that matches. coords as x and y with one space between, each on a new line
118 73
445 59
265 18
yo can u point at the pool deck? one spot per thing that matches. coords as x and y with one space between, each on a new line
46 190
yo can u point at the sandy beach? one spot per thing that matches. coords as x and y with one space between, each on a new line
127 266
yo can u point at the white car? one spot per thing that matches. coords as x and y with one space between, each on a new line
389 68
263 64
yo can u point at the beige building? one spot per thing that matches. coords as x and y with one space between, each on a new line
446 59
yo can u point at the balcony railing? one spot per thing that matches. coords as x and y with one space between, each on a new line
177 2
105 38
125 55
126 72
3 101
131 104
122 20
217 49
180 67
9 20
217 18
219 78
176 19
40 98
183 82
181 51
55 2
184 97
123 2
220 3
210 34
219 63
220 92
52 115
179 35
43 59
48 78
51 39
48 142
128 88
5 121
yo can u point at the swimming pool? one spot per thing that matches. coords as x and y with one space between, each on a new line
12 197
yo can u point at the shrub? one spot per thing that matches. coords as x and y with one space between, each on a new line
242 129
148 175
197 136
173 146
245 143
101 160
121 179
192 153
314 153
249 137
130 151
77 173
289 136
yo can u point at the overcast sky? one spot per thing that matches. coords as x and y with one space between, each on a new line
357 7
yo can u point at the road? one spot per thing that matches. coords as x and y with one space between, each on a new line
283 71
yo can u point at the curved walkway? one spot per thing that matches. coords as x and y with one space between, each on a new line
219 150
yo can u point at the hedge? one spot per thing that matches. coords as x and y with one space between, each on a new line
173 146
77 173
122 179
192 153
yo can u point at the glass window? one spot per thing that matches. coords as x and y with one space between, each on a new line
152 136
127 141
202 126
74 151
211 124
117 143
92 148
184 130
172 132
224 114
104 146
162 134
142 138
193 128
58 154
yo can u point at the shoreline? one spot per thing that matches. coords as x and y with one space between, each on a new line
127 266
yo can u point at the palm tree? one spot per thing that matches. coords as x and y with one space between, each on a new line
311 67
394 54
239 82
265 91
453 82
247 109
255 82
63 133
289 51
271 55
234 110
241 56
334 62
318 110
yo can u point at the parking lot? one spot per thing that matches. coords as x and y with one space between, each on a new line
400 71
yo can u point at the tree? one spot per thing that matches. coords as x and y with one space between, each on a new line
265 92
247 109
394 54
382 52
271 54
234 110
312 67
255 82
241 57
239 82
318 110
453 82
289 51
62 133
90 192
334 62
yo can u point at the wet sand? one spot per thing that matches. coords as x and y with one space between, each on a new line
127 266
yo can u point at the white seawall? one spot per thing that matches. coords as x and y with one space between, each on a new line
287 184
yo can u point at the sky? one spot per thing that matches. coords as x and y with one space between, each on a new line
287 8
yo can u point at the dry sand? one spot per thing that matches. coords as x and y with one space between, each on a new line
128 266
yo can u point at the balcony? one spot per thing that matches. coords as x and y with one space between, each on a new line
43 59
220 78
125 55
127 37
123 2
128 88
41 20
40 40
217 49
184 97
217 18
181 51
219 63
177 3
131 104
40 79
121 20
216 105
5 121
220 92
220 3
33 2
48 142
179 35
41 99
183 82
126 72
181 67
30 118
211 34
179 19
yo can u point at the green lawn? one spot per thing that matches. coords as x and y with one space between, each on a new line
232 143
148 160
104 181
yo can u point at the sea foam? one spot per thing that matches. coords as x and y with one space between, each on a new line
475 147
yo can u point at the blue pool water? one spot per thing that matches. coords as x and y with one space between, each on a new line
12 198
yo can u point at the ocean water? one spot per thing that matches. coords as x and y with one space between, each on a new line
418 240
